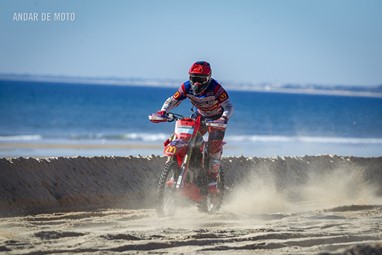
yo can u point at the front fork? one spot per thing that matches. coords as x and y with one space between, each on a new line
184 167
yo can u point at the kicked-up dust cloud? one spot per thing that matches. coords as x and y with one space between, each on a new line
269 189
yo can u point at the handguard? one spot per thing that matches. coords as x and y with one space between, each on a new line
158 118
220 123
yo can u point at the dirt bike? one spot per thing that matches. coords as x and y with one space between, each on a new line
185 172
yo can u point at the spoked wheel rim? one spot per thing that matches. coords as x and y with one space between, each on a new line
169 201
168 195
166 199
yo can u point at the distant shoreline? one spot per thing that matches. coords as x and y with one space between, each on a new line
374 91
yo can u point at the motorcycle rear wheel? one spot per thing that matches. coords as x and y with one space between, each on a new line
212 202
166 195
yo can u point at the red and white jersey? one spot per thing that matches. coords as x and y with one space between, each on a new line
213 102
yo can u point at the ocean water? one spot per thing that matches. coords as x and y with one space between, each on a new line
61 119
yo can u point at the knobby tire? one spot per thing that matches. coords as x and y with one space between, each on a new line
162 210
203 205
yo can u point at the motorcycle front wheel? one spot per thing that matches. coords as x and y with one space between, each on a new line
166 195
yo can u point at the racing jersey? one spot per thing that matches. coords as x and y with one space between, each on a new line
212 103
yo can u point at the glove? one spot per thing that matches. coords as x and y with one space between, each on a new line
160 113
220 123
222 120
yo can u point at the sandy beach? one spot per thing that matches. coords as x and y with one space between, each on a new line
292 89
298 205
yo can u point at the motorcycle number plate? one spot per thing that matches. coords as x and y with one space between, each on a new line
184 130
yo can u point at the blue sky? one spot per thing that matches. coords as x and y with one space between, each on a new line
285 41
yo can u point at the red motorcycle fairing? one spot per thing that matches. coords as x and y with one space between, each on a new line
186 128
177 148
177 145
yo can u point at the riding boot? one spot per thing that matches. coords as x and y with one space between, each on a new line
213 173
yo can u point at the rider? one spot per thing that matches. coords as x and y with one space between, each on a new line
212 103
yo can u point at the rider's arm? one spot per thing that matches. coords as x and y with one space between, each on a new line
223 98
174 100
228 108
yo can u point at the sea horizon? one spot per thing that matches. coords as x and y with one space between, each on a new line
369 90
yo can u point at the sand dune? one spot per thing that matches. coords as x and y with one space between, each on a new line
30 185
299 205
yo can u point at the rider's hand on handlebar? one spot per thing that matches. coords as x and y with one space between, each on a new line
220 123
222 120
161 113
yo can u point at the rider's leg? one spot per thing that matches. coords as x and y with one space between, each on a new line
215 148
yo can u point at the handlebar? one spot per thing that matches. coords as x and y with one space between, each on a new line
174 116
170 117
167 117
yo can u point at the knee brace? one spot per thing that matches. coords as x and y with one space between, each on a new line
215 146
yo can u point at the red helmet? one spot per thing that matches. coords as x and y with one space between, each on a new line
200 76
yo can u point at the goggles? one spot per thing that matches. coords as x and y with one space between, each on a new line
198 78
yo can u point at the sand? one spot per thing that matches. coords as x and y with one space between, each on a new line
291 205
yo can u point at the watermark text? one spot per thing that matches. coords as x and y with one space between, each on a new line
44 17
